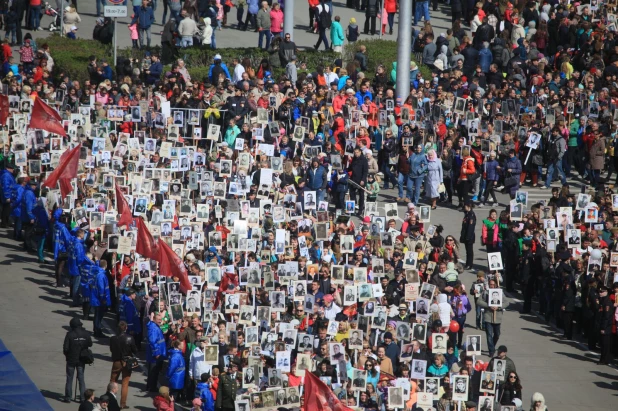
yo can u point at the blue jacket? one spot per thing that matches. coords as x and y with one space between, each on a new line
254 6
16 200
514 164
156 69
361 96
27 205
88 272
107 73
316 179
156 342
176 370
41 217
77 255
418 165
208 402
62 238
491 171
485 59
223 66
146 17
129 313
213 250
7 182
100 295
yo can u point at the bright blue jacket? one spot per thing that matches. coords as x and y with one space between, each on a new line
208 402
41 217
418 165
62 236
176 370
223 67
7 185
156 342
129 313
100 293
87 275
27 205
16 200
77 255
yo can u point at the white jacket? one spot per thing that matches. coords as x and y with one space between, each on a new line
197 364
187 27
207 32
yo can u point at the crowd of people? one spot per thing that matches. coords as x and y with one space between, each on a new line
286 264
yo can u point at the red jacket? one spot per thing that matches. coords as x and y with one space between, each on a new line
390 6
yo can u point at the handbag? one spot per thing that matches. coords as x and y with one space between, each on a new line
511 180
131 362
86 356
441 188
537 159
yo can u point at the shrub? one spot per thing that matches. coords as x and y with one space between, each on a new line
71 56
379 52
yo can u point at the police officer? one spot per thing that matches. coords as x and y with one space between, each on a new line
606 313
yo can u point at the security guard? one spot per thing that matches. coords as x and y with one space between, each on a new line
228 386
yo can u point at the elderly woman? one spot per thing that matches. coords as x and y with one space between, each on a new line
434 177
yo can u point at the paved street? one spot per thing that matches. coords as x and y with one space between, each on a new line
230 37
36 317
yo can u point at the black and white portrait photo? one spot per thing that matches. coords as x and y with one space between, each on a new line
494 261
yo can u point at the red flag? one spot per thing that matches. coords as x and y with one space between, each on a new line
65 172
318 397
46 118
145 244
4 109
123 209
228 283
170 265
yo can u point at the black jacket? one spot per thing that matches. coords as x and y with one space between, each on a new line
372 8
568 300
359 168
75 340
226 392
113 402
485 32
122 346
468 226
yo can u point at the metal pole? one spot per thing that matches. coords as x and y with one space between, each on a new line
61 20
381 11
404 42
288 19
115 36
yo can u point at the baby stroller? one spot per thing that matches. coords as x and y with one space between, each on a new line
55 24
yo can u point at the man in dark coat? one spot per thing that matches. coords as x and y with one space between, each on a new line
371 12
510 255
226 391
484 33
360 169
76 340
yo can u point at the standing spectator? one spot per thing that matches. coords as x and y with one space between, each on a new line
134 33
145 17
336 35
263 24
422 10
10 22
240 11
186 30
390 6
418 170
351 33
287 49
35 14
492 317
252 11
27 56
512 167
313 17
276 20
76 340
324 22
175 8
597 157
70 18
371 13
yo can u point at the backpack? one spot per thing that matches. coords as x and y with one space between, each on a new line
324 18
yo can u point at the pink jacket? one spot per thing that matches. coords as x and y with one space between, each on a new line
133 30
219 10
276 21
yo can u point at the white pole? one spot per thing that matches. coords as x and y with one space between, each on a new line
115 36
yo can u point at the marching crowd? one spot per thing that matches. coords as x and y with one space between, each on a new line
233 227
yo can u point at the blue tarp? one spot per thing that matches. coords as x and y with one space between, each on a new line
17 391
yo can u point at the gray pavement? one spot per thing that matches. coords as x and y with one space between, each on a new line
230 36
36 316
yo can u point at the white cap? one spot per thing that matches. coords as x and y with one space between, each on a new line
73 28
217 57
